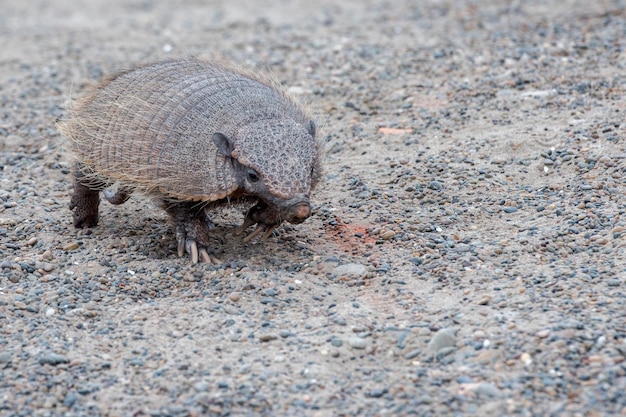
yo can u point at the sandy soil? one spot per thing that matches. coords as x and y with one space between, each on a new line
467 252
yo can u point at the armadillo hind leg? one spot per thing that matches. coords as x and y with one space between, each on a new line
86 198
120 196
193 229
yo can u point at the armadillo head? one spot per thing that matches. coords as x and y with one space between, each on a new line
278 162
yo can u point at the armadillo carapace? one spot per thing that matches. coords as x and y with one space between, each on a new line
195 135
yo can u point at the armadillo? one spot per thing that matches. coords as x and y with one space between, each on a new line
196 135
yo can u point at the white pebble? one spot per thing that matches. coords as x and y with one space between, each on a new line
542 334
600 342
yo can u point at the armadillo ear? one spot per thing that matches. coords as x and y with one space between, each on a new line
310 126
224 145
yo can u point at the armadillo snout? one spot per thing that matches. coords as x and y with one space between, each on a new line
299 212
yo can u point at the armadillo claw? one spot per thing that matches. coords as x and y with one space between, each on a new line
192 249
193 230
181 247
268 232
246 223
254 233
203 256
261 228
197 253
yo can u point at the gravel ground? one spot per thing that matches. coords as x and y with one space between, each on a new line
467 252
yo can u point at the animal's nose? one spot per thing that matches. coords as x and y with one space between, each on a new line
300 212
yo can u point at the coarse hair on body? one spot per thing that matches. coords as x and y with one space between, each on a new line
134 162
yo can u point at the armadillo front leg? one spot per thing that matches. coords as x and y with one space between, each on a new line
192 227
264 218
86 198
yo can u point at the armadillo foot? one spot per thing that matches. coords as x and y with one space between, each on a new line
193 229
197 253
258 215
86 197
193 238
84 204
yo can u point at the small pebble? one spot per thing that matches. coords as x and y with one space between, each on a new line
435 185
607 161
489 356
377 393
228 309
485 389
70 399
201 386
600 342
484 300
267 337
336 342
412 354
351 270
542 334
526 359
53 359
357 343
5 357
479 334
70 247
444 338
386 235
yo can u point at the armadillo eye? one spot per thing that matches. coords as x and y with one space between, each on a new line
253 176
